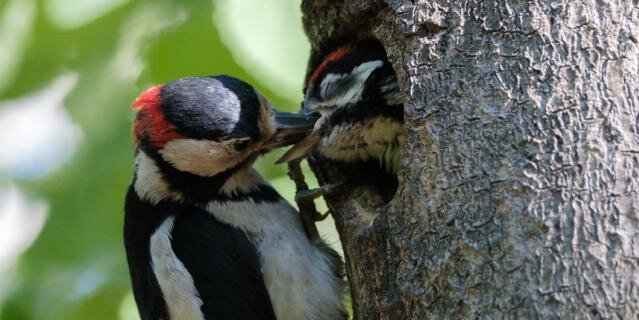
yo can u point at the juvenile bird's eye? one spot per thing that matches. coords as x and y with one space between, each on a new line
241 144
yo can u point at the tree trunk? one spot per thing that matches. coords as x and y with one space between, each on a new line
519 185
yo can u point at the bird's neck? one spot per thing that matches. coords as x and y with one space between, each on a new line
155 180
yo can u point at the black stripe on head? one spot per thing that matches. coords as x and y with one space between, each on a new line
260 193
197 189
200 190
211 108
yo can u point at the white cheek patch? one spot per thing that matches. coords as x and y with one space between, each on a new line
332 86
149 184
359 76
201 157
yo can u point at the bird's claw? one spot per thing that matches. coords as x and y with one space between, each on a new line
320 217
312 194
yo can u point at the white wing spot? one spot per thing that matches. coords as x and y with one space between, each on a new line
176 283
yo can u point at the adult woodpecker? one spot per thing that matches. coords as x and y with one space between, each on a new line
354 89
205 236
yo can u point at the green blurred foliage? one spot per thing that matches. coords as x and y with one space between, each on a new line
76 269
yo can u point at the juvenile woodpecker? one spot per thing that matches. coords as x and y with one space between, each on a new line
354 89
205 236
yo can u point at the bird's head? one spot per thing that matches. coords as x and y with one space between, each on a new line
345 76
348 84
207 125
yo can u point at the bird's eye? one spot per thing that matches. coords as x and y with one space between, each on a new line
241 144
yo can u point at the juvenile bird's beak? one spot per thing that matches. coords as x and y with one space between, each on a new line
291 128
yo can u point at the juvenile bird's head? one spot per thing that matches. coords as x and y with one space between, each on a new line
197 137
354 89
348 75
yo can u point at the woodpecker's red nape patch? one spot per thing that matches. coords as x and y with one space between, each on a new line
333 56
150 121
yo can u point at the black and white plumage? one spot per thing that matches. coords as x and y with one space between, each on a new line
354 89
206 237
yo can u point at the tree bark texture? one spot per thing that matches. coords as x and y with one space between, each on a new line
518 193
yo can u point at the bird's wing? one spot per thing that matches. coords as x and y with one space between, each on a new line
141 219
225 267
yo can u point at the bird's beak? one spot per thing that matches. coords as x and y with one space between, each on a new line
291 128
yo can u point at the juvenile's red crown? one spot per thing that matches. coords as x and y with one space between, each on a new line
333 56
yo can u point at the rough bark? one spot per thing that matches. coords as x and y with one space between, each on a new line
519 185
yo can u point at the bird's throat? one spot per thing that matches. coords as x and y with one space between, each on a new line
156 180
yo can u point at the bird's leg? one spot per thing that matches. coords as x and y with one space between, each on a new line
308 211
312 194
